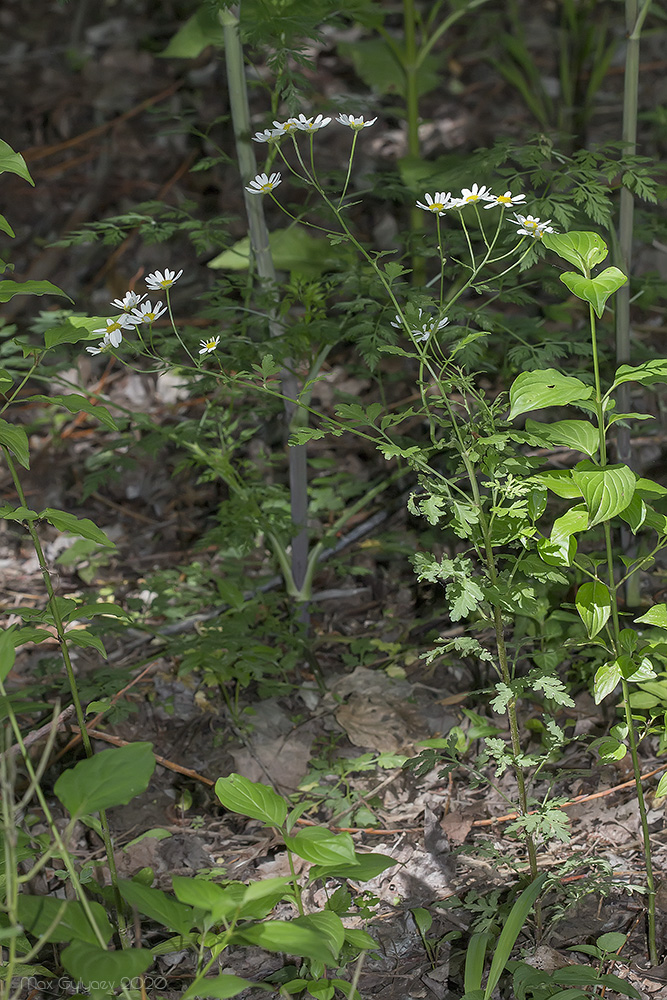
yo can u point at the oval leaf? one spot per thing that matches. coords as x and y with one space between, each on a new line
583 250
545 387
594 606
88 963
646 374
250 798
110 778
322 847
607 491
657 615
595 290
8 289
219 987
606 679
580 435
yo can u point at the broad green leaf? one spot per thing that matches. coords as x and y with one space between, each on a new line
643 672
5 379
648 489
218 987
250 798
158 905
661 790
76 403
545 387
560 552
559 482
293 249
593 603
573 520
322 847
7 653
37 913
635 513
582 249
648 373
610 748
220 902
579 435
607 677
198 32
81 526
16 440
657 615
86 640
607 490
74 329
319 936
365 867
13 163
595 290
474 964
89 963
643 701
110 778
8 289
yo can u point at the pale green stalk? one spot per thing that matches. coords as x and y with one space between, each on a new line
616 637
259 241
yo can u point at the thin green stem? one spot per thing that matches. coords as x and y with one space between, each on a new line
71 678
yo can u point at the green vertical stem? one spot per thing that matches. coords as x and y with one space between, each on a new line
78 708
616 635
503 662
259 240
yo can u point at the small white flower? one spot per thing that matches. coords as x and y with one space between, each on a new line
311 124
473 194
157 281
262 184
268 135
529 226
284 128
114 328
147 314
505 200
439 203
103 346
356 124
206 346
129 300
426 330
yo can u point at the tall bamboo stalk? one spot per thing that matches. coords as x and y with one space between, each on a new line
259 242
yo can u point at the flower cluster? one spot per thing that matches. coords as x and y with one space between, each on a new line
424 332
135 310
313 124
444 201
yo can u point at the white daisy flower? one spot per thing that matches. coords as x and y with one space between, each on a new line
473 194
311 124
262 183
129 300
505 200
283 128
114 328
208 345
103 346
147 314
426 330
439 203
529 226
356 124
266 136
157 281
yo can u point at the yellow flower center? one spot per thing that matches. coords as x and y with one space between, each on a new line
503 199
